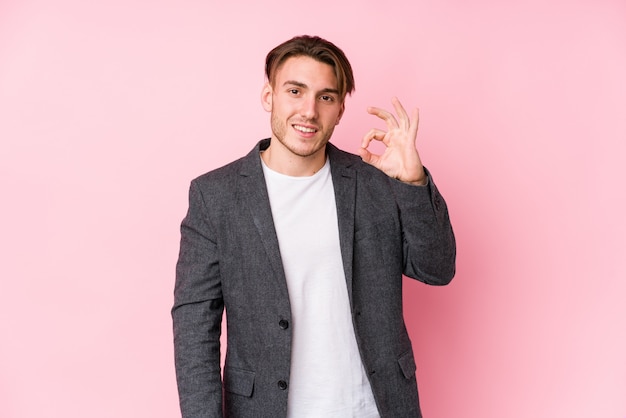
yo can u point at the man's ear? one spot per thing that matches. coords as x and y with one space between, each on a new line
266 97
343 107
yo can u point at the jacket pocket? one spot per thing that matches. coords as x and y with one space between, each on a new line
407 364
238 381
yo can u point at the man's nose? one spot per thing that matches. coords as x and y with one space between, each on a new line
309 108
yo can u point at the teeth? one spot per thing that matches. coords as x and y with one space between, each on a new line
303 129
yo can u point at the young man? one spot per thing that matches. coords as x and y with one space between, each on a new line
304 246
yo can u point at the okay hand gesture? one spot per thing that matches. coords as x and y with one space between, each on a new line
400 159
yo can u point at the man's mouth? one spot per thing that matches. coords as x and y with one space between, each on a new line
304 129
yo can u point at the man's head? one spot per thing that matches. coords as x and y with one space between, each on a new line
307 82
320 50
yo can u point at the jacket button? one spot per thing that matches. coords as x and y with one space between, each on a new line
283 324
282 385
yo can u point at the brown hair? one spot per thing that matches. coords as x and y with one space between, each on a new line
318 49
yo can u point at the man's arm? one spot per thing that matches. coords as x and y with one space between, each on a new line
197 315
428 239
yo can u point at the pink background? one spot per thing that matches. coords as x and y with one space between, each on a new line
109 109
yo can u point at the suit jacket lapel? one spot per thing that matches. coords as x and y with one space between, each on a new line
255 197
344 183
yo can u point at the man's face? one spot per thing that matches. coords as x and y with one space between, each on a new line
305 105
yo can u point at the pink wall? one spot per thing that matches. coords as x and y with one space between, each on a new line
108 109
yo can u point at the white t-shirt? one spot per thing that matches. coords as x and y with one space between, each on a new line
327 376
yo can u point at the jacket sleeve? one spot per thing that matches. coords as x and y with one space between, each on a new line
197 314
428 240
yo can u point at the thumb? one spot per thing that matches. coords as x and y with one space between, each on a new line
365 154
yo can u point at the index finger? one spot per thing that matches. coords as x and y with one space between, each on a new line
389 119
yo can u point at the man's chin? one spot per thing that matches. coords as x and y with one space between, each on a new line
305 150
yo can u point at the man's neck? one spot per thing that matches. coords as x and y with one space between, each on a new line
283 161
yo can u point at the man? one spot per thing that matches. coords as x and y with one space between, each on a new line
304 246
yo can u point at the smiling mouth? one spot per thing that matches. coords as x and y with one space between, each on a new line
304 129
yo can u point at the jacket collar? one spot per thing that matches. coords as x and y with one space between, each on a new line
252 163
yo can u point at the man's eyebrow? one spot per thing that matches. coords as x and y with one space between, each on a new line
295 83
304 86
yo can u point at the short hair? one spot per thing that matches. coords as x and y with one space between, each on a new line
317 48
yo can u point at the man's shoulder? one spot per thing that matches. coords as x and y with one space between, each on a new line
220 173
228 172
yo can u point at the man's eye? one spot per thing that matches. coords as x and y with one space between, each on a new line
327 98
293 91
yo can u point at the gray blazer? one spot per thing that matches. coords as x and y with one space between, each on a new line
230 259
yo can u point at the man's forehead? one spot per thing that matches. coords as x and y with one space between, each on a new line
302 70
